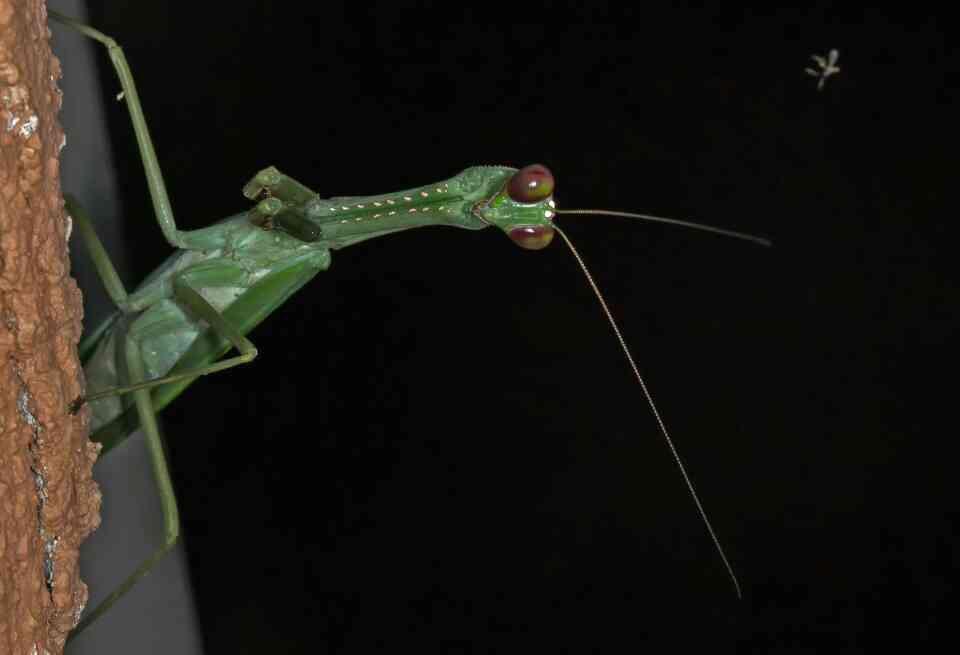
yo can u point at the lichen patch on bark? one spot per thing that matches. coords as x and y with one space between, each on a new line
49 502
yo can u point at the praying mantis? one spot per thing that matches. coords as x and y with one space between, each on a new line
202 302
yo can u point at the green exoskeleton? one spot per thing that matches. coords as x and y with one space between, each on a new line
223 280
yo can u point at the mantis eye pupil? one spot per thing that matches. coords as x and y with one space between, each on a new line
531 184
532 238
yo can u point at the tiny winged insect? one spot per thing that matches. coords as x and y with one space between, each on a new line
223 280
826 66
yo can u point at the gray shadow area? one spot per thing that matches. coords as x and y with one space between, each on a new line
158 614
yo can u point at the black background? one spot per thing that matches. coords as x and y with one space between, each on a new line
441 446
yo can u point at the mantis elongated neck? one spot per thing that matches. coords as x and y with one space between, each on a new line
345 221
349 220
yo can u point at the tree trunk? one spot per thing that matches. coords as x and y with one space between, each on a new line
49 502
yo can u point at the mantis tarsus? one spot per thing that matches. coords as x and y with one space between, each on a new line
224 279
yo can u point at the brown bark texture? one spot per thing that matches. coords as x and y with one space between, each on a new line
49 502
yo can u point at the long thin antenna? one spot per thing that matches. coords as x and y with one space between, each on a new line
653 406
672 221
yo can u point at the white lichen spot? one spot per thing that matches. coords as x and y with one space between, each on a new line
78 613
29 127
40 481
12 122
23 406
51 550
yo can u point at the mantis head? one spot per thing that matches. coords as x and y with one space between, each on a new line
524 208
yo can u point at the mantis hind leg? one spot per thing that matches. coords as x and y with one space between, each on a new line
161 473
158 190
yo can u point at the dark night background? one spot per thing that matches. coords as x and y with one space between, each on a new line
441 446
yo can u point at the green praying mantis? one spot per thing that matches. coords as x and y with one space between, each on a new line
223 280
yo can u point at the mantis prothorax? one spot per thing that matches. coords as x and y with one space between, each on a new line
225 279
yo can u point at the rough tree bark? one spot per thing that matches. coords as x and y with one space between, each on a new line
49 502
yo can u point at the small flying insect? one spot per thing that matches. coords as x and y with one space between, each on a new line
827 67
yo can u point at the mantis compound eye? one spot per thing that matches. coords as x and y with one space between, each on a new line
534 237
531 184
